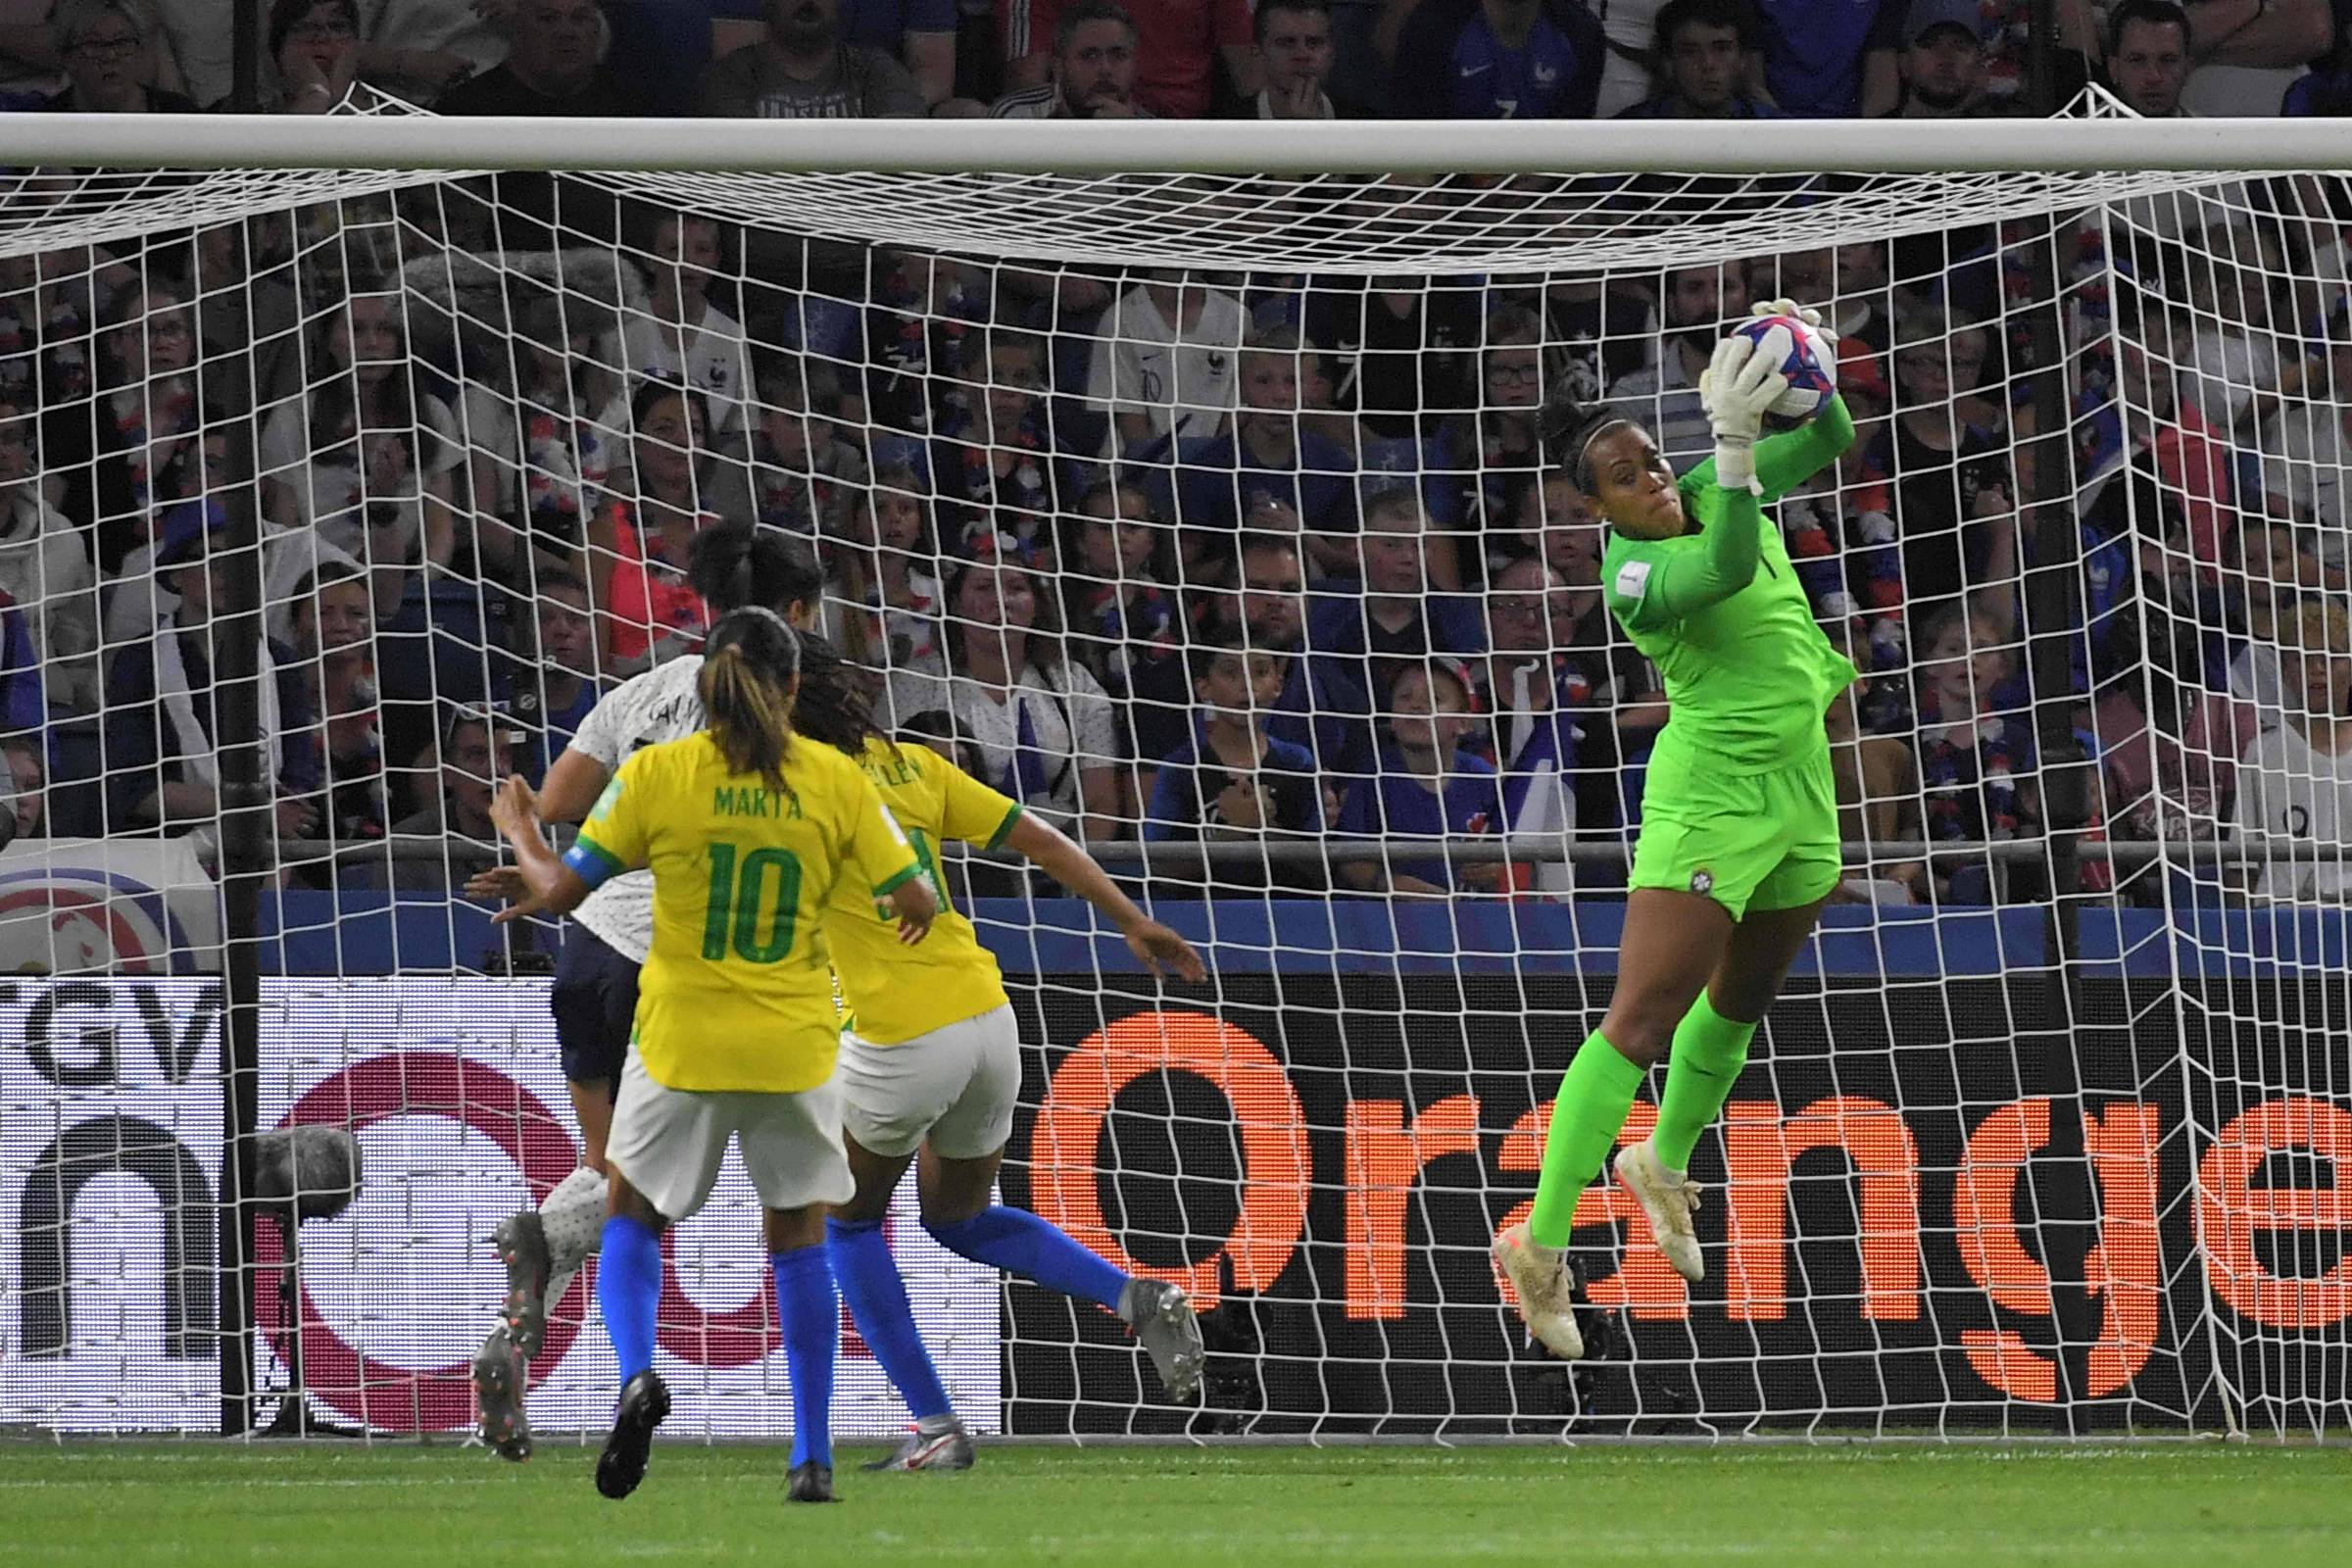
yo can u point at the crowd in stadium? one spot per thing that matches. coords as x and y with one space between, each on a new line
1183 555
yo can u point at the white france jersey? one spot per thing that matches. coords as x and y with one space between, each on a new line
661 705
2298 795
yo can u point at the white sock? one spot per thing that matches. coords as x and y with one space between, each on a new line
573 1220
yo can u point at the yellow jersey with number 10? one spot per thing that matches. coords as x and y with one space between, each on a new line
737 993
894 991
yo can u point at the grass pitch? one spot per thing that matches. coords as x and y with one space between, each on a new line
127 1506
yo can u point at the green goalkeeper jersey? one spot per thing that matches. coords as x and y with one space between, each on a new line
1721 614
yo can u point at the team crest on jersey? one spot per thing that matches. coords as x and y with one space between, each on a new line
1703 881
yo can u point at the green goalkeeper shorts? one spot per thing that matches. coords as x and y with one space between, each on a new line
1763 841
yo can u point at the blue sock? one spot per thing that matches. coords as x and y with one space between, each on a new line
812 1315
628 1290
877 1296
1019 1243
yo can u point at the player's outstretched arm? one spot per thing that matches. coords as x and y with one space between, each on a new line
553 888
1054 853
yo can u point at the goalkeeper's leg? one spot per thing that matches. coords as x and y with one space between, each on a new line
1673 941
1710 1043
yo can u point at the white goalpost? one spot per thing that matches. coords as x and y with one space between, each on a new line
344 462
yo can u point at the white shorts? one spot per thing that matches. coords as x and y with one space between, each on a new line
953 1088
668 1143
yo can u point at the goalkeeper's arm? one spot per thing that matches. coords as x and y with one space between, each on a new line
1788 460
1659 583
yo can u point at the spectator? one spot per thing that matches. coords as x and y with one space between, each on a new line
923 309
1321 707
146 428
1538 728
1093 72
884 612
539 450
923 33
1425 785
2292 785
2243 343
23 696
2328 90
804 70
138 595
419 49
31 65
1498 60
1233 781
638 543
2148 58
1705 57
1953 511
1391 620
805 478
315 45
1941 66
552 66
2249 52
45 567
368 459
1494 451
1120 613
27 778
1878 791
332 632
2281 575
681 334
1267 459
1635 62
1813 52
2004 28
1179 47
474 755
557 681
1975 747
994 460
163 726
109 48
1294 41
1665 394
1164 366
1041 727
1407 349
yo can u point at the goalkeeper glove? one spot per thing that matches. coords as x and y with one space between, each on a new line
1736 389
1803 313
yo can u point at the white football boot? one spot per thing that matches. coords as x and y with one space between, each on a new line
1669 1201
1540 1277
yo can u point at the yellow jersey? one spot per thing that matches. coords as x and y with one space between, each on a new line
896 991
737 993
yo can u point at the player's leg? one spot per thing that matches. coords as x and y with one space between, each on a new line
889 1096
1711 1042
594 1001
792 1151
959 1211
1672 942
663 1157
958 1178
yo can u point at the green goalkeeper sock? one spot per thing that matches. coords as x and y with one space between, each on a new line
1708 1052
1595 1098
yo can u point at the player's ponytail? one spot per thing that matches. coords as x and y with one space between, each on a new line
736 564
749 669
832 706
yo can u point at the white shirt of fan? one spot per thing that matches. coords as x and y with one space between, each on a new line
661 705
1182 381
2294 793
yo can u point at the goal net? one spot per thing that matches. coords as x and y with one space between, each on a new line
1208 516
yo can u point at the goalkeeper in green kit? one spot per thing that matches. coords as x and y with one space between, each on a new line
1738 843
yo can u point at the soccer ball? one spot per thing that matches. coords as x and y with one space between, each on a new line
1803 355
